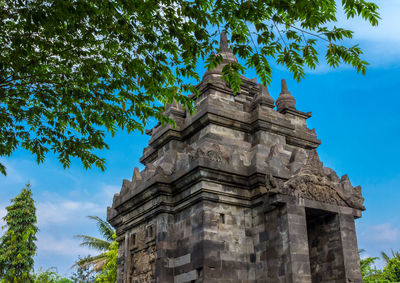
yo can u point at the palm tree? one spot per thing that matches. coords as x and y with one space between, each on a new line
387 258
101 245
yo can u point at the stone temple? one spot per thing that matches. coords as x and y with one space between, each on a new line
236 193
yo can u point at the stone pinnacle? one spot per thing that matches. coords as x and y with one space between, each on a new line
285 99
226 52
136 175
263 97
227 57
223 43
284 88
264 91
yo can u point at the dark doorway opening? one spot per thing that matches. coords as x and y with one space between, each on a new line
324 244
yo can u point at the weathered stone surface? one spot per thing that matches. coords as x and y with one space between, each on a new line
236 193
315 182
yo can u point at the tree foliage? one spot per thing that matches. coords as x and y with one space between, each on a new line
369 272
109 270
387 258
100 245
392 269
389 274
17 246
83 274
50 276
72 70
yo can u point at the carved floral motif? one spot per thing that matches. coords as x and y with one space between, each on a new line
315 182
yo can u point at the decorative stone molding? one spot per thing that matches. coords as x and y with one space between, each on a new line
315 182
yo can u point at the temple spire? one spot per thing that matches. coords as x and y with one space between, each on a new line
227 56
223 43
263 97
285 99
284 88
226 52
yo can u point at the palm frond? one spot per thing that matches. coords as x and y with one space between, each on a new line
94 243
101 245
395 254
104 227
385 257
90 260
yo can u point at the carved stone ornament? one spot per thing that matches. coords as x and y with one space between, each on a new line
142 267
212 152
315 182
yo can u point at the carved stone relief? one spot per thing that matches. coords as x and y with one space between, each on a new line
315 182
143 265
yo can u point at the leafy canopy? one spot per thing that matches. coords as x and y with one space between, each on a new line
369 272
17 246
72 70
389 273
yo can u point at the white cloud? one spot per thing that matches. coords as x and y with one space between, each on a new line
65 210
364 256
3 211
61 217
64 246
384 233
57 209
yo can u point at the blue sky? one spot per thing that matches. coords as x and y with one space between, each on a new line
356 117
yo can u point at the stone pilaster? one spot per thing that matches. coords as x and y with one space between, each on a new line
287 251
350 248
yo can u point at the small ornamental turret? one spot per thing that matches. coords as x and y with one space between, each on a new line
285 99
263 97
226 52
175 110
285 104
227 56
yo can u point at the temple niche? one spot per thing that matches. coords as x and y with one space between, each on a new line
236 193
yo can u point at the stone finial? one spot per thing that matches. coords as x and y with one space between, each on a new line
265 94
177 105
136 175
284 88
175 110
226 52
149 132
223 42
285 99
227 57
115 199
263 97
